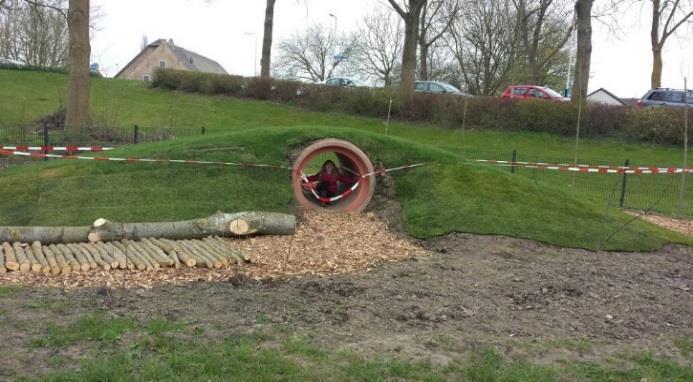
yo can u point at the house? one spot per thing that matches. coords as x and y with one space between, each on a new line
604 97
163 54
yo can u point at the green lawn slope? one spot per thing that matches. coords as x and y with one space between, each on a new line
445 196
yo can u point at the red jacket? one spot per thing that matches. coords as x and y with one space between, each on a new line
330 180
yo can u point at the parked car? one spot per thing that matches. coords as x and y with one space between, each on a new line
436 87
345 82
10 62
665 97
532 92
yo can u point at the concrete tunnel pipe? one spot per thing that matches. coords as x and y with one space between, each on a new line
349 156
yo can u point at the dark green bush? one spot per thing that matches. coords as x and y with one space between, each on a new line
660 125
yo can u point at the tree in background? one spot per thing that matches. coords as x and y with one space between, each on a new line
79 56
379 47
667 17
482 41
265 61
543 30
34 32
410 12
308 54
436 18
583 16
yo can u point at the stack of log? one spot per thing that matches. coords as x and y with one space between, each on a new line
144 255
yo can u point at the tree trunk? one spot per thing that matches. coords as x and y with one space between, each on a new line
583 10
265 62
219 224
80 82
423 62
411 34
242 223
657 65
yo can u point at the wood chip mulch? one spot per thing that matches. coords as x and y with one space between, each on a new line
324 244
678 225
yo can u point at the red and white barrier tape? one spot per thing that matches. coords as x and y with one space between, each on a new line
40 155
588 168
356 185
69 148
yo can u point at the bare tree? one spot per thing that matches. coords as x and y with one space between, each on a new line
583 16
379 48
410 12
482 42
265 61
667 17
544 28
436 18
34 33
308 54
79 55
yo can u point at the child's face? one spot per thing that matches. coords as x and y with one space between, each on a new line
329 168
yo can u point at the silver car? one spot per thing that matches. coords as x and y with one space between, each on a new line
666 97
436 87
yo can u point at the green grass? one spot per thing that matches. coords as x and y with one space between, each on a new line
449 195
251 358
95 327
441 198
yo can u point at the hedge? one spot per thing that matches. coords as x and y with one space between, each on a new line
650 125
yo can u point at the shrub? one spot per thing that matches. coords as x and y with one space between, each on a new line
482 113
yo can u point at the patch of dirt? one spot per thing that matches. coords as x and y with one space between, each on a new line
683 226
517 296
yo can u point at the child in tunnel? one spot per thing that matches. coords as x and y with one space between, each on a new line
328 180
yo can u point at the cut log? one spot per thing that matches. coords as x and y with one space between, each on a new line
37 250
11 262
226 250
226 244
134 253
145 255
163 258
76 260
34 265
24 265
62 261
220 224
213 250
115 253
201 251
2 261
84 261
219 260
172 247
52 261
131 263
153 255
46 235
103 254
201 259
94 253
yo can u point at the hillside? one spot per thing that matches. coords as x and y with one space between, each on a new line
449 195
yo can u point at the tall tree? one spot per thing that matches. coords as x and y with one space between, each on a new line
583 17
265 61
667 17
379 48
308 54
410 12
436 18
544 28
79 55
482 41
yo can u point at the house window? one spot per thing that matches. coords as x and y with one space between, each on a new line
147 78
162 64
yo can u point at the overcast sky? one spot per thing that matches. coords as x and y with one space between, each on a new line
621 62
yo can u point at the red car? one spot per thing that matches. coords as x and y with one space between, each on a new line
532 92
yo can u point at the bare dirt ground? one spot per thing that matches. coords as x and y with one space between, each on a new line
459 293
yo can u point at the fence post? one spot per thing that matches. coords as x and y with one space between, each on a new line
512 168
623 184
203 130
136 136
45 139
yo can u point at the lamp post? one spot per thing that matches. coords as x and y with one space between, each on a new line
255 56
334 42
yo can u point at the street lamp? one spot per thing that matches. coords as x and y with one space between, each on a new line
255 56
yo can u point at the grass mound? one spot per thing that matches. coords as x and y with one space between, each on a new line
445 196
